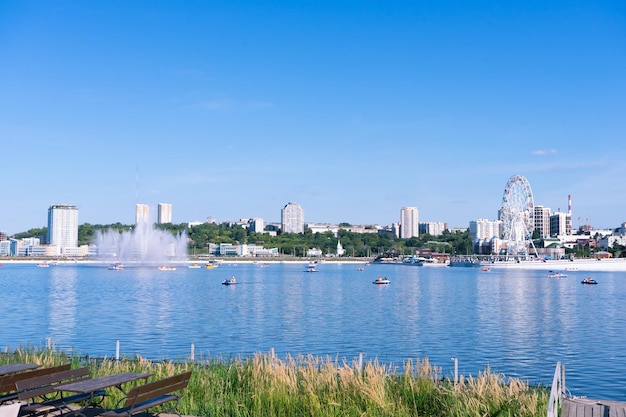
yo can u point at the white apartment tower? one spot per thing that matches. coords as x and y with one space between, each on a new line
142 214
409 225
483 229
164 213
542 221
292 218
63 225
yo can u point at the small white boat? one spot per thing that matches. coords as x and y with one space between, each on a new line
43 265
231 281
557 275
381 281
116 267
193 266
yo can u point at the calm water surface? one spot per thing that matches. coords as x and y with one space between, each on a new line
519 323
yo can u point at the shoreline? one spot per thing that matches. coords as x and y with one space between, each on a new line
589 265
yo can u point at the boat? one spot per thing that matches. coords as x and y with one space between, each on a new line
166 268
231 281
486 268
193 266
381 281
589 281
43 265
310 269
557 275
116 267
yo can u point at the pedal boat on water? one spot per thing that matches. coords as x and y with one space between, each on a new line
231 281
381 281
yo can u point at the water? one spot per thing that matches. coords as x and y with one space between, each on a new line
517 322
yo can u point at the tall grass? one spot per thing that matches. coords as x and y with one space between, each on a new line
264 386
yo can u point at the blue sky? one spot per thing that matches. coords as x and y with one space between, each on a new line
353 109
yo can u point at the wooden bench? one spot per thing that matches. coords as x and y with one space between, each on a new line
7 383
41 395
152 394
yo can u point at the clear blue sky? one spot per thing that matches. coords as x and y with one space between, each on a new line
353 109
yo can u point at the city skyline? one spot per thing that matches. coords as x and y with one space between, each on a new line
352 109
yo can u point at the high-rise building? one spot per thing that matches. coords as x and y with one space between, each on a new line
558 224
432 228
409 225
63 226
164 213
256 225
292 218
142 213
483 229
542 221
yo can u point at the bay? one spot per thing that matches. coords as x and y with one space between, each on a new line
516 322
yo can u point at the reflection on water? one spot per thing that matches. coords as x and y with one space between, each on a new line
517 322
62 304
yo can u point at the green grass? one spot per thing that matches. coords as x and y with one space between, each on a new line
263 386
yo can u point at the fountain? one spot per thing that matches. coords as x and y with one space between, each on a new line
143 245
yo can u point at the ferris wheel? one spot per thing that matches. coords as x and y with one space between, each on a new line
517 216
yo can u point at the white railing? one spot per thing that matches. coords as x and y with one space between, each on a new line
557 390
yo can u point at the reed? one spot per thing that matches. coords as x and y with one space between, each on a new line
264 386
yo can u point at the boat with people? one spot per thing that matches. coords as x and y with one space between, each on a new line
166 268
193 266
43 264
589 281
381 281
310 269
116 267
231 281
557 275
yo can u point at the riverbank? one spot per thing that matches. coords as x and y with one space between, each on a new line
591 265
265 386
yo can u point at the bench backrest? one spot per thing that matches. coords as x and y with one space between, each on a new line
45 384
154 389
7 383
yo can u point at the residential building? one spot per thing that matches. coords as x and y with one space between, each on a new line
409 225
292 218
542 221
256 225
164 213
63 226
483 229
432 228
142 214
558 224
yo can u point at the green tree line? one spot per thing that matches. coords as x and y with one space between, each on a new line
296 244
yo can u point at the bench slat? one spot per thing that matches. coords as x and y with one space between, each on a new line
137 408
152 394
45 384
7 383
154 389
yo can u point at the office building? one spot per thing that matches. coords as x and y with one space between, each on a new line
63 226
142 214
292 218
164 213
409 225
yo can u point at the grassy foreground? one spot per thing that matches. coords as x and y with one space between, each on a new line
263 386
